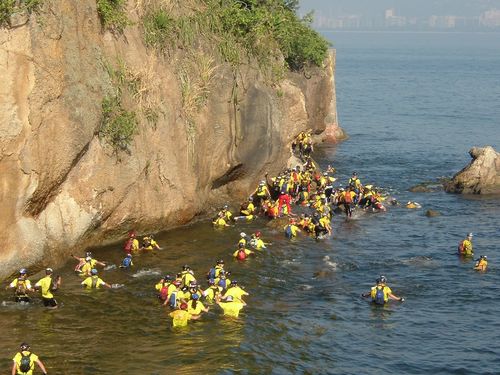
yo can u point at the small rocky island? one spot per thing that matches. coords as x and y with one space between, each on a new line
481 176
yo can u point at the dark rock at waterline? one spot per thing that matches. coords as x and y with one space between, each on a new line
432 213
481 176
427 187
420 189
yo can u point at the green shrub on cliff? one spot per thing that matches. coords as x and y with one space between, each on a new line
118 126
11 7
112 14
269 32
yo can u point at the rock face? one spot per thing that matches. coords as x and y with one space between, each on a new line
62 187
481 176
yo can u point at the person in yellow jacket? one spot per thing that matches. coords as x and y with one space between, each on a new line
231 306
234 291
481 264
22 286
291 230
149 243
94 281
381 293
465 247
181 316
220 221
195 307
82 261
89 265
24 362
47 285
242 253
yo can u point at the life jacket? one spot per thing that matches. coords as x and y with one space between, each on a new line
348 197
461 248
222 283
128 245
379 298
261 191
164 291
172 300
25 363
241 255
21 287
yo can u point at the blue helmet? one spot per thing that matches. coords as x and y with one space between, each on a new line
93 271
195 296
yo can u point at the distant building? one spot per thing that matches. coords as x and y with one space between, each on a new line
490 18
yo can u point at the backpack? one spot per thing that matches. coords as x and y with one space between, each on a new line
164 292
379 296
288 231
211 274
25 364
461 248
242 255
222 283
284 188
172 301
128 245
126 262
21 287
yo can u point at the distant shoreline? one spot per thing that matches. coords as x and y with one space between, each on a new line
364 31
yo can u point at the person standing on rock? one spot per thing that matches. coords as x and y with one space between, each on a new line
465 247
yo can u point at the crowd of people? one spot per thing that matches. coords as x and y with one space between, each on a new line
302 200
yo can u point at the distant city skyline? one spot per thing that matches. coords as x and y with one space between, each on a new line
398 14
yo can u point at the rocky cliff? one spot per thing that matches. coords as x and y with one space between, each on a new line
481 176
203 136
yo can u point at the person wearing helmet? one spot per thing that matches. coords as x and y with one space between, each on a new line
132 243
465 247
164 287
323 227
24 361
222 282
22 286
220 221
242 253
247 210
381 293
82 262
149 243
212 292
257 243
261 193
180 316
481 264
234 291
173 293
195 306
355 183
231 306
127 262
94 281
291 229
47 285
187 275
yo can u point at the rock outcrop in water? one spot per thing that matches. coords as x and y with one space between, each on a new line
64 189
481 176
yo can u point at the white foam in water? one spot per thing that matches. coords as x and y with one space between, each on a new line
145 272
330 264
117 286
110 267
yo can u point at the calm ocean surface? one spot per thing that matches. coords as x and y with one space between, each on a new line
413 104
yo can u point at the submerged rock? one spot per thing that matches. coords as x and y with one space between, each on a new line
432 213
481 176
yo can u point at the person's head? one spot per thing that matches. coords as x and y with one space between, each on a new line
241 245
229 299
167 278
49 271
131 234
225 207
129 255
88 259
220 262
234 282
250 199
88 254
243 234
469 236
262 183
177 283
483 257
93 271
23 271
24 346
193 285
211 282
195 297
222 274
354 174
381 280
186 267
183 306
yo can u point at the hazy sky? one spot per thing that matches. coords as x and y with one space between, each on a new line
403 7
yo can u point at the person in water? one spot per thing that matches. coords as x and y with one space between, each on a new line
234 291
22 286
90 263
84 260
220 221
94 281
132 243
465 247
195 307
231 306
381 293
149 243
47 285
24 361
242 253
180 317
291 229
481 263
127 262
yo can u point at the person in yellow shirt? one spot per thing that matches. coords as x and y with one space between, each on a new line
242 253
22 285
90 264
149 243
94 281
381 293
323 227
47 285
24 362
257 243
291 230
234 291
187 275
195 307
220 221
83 260
223 281
465 247
481 264
180 317
231 307
261 193
212 292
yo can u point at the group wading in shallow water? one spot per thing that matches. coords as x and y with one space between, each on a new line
301 201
